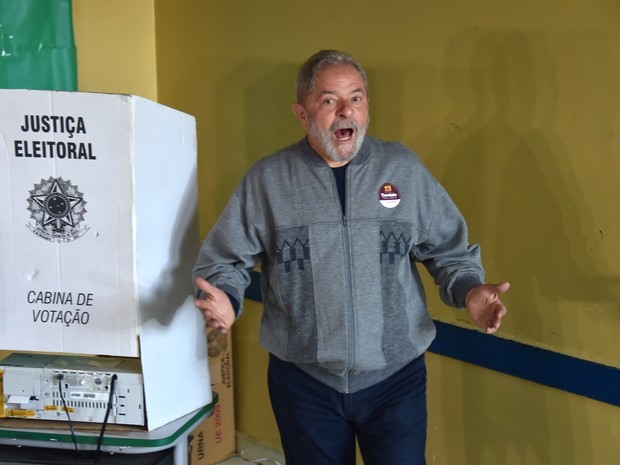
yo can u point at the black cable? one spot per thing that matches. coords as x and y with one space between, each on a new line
62 397
105 420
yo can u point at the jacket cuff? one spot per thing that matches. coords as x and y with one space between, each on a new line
462 287
235 304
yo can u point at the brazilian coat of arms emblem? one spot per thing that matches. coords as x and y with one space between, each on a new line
57 208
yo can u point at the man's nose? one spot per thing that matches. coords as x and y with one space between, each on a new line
345 109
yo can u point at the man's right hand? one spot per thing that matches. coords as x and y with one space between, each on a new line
215 306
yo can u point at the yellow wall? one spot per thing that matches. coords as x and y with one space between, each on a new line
115 43
513 106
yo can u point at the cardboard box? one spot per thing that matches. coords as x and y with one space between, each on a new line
99 234
215 438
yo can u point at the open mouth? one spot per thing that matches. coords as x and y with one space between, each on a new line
344 134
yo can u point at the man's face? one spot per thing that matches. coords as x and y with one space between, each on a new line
335 114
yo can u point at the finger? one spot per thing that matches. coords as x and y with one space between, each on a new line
205 286
495 322
501 312
489 325
500 288
210 320
492 325
218 326
208 313
202 305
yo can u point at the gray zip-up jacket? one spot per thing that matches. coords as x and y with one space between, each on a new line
342 296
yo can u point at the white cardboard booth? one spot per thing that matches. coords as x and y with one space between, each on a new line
99 232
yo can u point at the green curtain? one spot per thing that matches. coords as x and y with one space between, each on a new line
37 47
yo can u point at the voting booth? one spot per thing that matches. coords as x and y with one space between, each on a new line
99 232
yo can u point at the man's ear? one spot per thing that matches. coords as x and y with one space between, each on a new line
300 113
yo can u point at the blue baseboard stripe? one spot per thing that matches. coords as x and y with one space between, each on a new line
571 374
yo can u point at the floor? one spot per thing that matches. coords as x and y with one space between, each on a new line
250 452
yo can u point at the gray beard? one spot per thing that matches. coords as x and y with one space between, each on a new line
327 143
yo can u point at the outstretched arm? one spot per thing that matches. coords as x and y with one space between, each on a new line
484 306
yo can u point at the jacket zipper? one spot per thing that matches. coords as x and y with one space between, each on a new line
351 315
349 279
348 275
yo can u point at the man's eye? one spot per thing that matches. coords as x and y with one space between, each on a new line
357 99
328 101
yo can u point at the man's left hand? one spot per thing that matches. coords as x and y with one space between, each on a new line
484 306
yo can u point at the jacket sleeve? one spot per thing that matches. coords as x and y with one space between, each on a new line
230 251
454 264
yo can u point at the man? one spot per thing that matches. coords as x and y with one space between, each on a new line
338 222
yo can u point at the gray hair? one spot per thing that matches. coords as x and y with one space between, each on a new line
309 70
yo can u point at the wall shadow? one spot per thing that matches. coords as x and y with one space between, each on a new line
511 176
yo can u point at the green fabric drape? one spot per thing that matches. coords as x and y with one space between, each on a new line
37 47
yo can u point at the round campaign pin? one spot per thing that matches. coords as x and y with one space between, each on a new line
389 195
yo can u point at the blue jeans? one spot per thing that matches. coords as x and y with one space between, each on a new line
319 425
